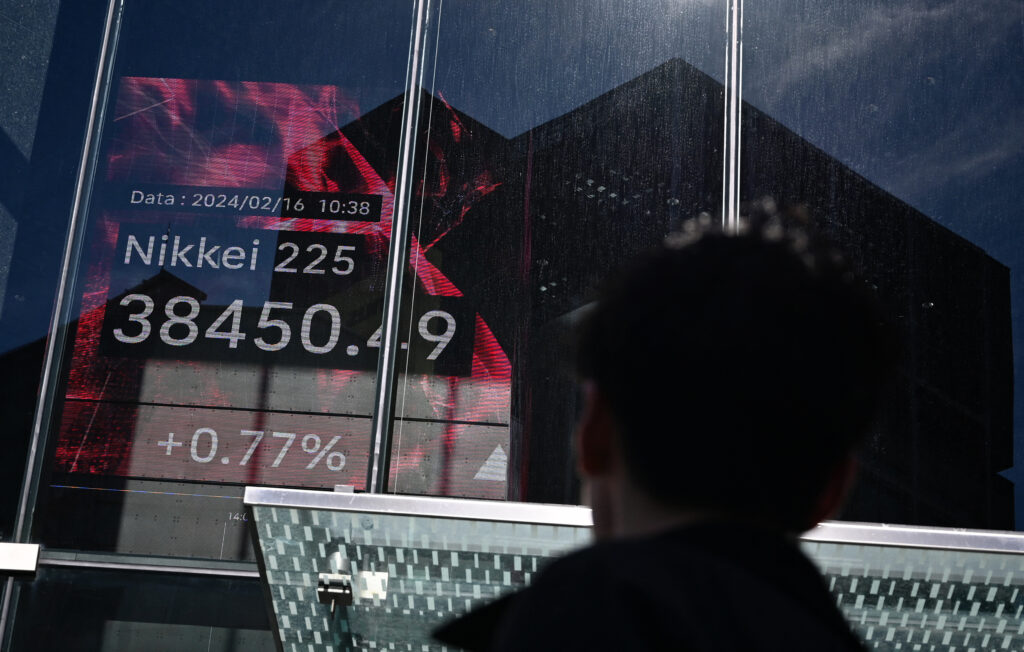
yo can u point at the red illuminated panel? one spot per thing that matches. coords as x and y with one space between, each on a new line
232 285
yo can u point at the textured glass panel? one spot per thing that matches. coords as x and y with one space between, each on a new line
558 140
408 574
897 126
919 599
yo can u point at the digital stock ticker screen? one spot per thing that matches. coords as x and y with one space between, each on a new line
229 299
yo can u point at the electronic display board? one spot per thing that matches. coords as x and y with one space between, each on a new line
228 303
280 271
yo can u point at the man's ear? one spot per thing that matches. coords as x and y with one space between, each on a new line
596 442
835 491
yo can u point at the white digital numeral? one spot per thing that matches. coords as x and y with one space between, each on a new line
213 445
374 341
307 322
184 320
140 318
283 265
442 339
279 324
339 257
258 434
235 334
171 330
312 267
290 436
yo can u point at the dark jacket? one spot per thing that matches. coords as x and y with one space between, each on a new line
705 587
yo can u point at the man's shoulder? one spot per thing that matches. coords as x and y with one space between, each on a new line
627 564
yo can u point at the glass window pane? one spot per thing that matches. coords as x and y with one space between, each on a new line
559 139
898 127
229 272
108 611
47 62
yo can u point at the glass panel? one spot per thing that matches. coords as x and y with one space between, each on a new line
558 140
108 611
44 102
918 599
408 574
230 270
897 127
393 576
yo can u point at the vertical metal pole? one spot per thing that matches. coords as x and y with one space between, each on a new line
55 340
733 113
387 376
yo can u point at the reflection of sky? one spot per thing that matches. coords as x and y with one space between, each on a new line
925 99
513 68
361 47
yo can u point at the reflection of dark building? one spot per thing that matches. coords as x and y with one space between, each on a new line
947 432
585 191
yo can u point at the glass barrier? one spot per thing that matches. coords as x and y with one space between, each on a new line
362 572
911 598
409 563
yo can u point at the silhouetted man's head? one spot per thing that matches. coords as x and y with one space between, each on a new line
740 370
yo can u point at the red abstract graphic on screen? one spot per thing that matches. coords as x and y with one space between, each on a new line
231 288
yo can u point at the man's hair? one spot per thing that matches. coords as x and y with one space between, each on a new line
740 369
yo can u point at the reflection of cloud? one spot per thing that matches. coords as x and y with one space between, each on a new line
884 34
874 33
949 160
918 96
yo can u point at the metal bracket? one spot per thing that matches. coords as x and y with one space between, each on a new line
334 589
